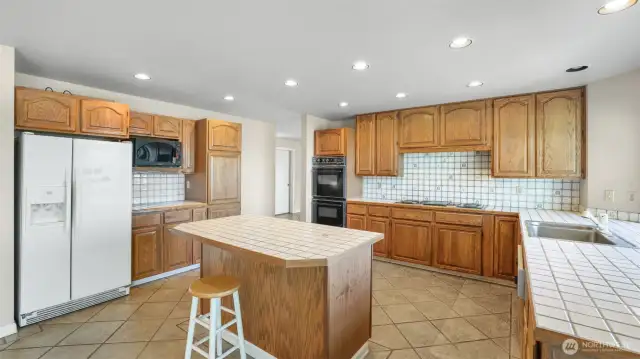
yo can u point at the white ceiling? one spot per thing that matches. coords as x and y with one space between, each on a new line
198 51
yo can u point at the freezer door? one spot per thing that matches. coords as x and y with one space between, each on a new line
44 223
101 234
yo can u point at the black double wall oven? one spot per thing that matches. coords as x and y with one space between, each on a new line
329 204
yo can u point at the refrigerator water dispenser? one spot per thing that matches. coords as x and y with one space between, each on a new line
47 205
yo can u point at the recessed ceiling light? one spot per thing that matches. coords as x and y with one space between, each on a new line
577 68
460 42
229 98
142 76
360 65
401 95
343 104
475 84
291 83
616 6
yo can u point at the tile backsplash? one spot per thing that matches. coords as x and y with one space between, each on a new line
463 177
157 187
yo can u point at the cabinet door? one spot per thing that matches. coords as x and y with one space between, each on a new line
458 248
45 111
188 146
104 118
380 225
167 127
505 247
463 124
513 153
365 145
146 250
177 249
224 177
559 134
224 136
411 241
356 222
141 124
331 142
386 144
199 214
419 128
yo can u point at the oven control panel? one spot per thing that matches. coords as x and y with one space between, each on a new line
328 161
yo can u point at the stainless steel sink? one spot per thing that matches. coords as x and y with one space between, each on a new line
575 233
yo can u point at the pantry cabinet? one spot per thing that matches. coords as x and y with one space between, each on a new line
224 136
332 142
104 118
419 128
224 177
559 134
458 248
411 241
365 145
45 111
463 124
513 153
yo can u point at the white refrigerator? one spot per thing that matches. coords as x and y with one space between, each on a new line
73 224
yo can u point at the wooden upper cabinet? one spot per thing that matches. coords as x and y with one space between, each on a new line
559 134
177 249
141 124
332 142
513 153
505 247
224 177
463 124
104 118
419 128
167 127
411 241
366 145
146 251
380 225
188 146
45 110
458 248
224 136
386 144
356 222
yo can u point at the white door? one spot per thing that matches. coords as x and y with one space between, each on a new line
101 236
44 231
283 174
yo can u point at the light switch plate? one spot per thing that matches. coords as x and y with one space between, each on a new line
609 195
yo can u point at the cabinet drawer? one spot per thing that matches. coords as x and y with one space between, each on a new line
147 220
199 214
459 218
379 211
177 216
411 214
356 208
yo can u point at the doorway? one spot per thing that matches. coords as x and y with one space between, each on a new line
283 181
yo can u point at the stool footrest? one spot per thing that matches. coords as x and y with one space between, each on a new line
225 354
202 352
203 323
227 325
228 310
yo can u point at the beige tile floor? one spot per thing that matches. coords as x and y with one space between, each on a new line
416 315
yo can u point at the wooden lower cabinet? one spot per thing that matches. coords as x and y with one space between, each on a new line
146 249
458 248
380 225
223 211
411 241
356 222
177 249
505 247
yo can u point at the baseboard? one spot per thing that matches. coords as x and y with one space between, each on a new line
362 352
164 275
251 349
8 329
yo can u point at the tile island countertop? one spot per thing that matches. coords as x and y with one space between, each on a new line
280 241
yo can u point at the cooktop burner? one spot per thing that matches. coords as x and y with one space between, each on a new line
408 202
436 203
471 205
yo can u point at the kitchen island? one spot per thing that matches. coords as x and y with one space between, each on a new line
306 288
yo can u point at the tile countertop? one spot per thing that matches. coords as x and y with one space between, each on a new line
281 241
587 291
166 206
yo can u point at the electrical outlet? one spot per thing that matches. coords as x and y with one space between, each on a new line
518 189
632 196
609 195
188 184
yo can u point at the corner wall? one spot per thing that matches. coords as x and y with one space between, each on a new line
7 237
296 168
613 143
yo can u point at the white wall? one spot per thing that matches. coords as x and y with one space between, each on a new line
7 71
613 142
258 138
296 167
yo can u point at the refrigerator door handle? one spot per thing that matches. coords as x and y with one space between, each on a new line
68 198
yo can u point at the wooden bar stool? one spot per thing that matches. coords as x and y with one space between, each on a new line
214 288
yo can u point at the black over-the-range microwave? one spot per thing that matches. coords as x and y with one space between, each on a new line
156 152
